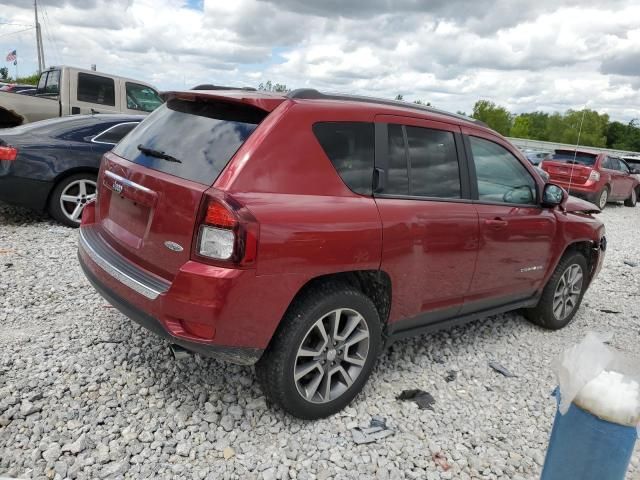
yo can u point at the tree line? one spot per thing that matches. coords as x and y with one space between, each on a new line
597 129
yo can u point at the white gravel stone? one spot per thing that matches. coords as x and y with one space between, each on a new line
77 373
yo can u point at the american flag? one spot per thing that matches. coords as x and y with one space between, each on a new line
12 56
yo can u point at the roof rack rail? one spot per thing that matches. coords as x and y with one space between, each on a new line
313 94
209 86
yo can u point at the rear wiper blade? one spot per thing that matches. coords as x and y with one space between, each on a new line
158 154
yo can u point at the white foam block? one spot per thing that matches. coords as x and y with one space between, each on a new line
612 397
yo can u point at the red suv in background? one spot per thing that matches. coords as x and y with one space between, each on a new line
304 232
597 177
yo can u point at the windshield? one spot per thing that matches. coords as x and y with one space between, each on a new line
571 157
200 136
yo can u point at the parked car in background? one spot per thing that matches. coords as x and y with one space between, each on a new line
634 164
535 157
71 91
595 176
15 88
52 165
301 232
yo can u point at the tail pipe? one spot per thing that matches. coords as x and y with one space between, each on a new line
178 352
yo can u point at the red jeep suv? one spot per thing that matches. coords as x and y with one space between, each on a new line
597 177
304 232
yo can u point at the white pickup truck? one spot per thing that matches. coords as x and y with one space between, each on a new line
69 91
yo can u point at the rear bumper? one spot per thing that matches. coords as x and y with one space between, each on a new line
24 192
199 310
238 355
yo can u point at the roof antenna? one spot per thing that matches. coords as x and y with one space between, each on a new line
575 152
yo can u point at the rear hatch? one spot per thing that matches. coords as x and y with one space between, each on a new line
151 184
568 166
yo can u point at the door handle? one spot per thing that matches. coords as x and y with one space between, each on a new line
496 223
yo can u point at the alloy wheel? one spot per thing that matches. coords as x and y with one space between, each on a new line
604 196
567 293
75 196
331 355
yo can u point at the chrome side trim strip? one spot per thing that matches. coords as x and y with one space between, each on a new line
123 277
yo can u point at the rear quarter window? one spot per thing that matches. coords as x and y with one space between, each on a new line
350 147
203 136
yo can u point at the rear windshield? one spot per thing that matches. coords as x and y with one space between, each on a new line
199 138
571 157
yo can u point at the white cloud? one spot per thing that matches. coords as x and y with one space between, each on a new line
525 55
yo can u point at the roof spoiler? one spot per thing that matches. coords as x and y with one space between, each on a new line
209 86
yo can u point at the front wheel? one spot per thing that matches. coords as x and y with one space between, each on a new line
323 352
69 197
562 295
633 198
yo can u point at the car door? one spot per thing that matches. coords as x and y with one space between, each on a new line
625 182
617 181
515 231
430 226
92 93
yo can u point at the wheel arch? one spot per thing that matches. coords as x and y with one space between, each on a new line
375 284
587 248
66 174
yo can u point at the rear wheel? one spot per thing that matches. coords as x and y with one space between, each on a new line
69 197
633 198
562 295
603 198
323 353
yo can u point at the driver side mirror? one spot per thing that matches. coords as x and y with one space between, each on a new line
553 195
634 171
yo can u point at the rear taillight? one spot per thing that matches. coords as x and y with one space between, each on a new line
594 176
227 232
8 153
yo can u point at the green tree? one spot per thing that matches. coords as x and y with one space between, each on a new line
422 102
495 116
29 80
4 73
624 137
588 125
269 86
537 125
520 127
399 97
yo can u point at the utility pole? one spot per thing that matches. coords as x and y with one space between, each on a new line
41 64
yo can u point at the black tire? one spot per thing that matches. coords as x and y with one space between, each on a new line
275 370
68 185
543 314
600 201
633 198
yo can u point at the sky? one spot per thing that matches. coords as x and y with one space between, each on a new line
547 55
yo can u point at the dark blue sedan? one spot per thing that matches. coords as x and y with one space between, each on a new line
52 165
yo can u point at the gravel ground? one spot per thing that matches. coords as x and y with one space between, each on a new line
86 393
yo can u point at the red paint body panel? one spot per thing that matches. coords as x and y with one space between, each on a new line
439 255
430 251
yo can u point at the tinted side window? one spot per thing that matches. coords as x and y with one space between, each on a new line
433 162
349 146
501 176
398 174
114 134
623 166
96 89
